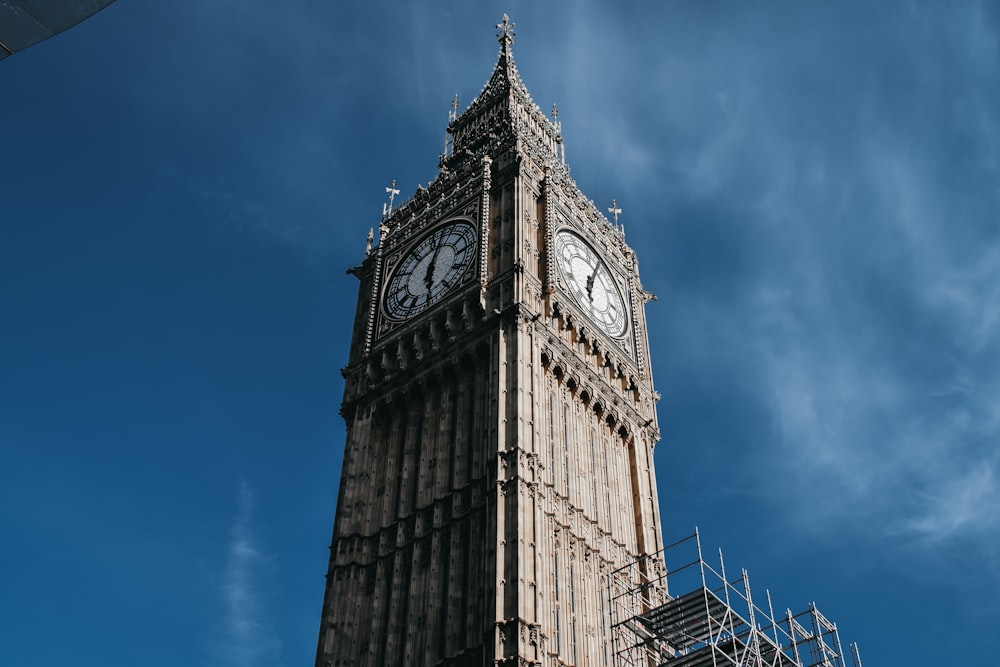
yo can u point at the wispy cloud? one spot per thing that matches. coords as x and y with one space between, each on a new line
881 374
866 302
965 503
249 638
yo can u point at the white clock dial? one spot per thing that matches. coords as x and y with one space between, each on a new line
430 269
590 282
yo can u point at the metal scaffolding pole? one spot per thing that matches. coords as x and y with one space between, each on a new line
714 622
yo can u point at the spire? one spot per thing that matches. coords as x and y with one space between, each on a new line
504 108
505 77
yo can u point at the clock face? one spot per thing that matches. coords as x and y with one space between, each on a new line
590 282
430 269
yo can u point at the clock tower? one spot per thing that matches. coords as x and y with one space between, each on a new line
500 412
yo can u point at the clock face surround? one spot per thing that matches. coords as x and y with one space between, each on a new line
590 282
430 269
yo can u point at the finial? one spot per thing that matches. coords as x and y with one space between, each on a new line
506 34
449 140
614 210
555 113
387 208
371 239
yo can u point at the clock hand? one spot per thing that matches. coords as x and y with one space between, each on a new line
590 284
429 276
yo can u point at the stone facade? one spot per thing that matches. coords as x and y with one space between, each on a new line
498 462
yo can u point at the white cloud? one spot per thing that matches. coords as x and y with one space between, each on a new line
888 416
869 299
970 296
965 502
249 637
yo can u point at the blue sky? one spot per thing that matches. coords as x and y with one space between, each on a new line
813 190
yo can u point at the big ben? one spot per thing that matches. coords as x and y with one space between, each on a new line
500 411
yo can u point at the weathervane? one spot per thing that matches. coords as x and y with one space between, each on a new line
555 121
506 28
449 140
614 210
387 208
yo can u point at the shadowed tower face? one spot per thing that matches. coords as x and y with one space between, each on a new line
500 412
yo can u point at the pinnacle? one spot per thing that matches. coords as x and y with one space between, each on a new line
505 77
504 84
505 74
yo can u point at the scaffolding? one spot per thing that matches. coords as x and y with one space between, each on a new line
714 623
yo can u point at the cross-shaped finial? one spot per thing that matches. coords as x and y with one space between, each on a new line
506 28
387 209
614 210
